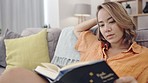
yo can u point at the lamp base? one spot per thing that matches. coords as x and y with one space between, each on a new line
81 19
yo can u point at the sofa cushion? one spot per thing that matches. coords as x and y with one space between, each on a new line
52 37
65 52
142 37
27 52
7 35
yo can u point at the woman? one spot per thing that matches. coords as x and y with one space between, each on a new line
113 43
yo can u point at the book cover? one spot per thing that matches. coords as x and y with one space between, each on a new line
80 72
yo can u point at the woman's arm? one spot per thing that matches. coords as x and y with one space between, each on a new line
21 75
84 26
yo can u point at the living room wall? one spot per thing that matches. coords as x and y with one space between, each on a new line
51 13
66 12
66 8
61 14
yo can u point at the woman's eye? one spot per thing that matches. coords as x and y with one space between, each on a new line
112 21
101 25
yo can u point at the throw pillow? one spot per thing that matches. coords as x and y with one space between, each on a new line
7 35
65 52
27 52
52 37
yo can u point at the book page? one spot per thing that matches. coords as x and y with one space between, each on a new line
48 70
51 67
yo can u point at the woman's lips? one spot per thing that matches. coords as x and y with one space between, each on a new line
110 36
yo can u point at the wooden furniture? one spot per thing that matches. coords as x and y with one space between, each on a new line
139 10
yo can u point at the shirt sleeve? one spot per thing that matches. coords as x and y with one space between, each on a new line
85 40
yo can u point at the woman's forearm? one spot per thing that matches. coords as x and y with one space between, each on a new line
84 26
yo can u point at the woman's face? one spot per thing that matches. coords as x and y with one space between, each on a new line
109 28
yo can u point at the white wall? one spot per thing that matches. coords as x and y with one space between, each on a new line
66 8
66 12
51 13
94 4
63 16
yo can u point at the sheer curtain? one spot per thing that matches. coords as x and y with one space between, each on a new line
19 14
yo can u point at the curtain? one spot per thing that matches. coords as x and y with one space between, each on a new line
17 15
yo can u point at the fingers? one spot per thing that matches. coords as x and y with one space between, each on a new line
127 79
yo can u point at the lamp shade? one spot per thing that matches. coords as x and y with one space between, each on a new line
82 10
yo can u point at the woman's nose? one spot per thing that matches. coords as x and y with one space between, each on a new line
107 28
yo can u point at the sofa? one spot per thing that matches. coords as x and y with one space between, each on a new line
53 35
61 43
52 38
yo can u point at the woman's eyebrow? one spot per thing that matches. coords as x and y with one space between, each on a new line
107 19
100 22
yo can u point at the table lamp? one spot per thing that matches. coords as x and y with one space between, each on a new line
82 11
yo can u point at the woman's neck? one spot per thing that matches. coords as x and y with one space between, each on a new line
119 46
116 49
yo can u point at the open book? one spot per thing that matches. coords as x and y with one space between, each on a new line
79 72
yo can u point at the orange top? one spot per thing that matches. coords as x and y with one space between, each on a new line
133 62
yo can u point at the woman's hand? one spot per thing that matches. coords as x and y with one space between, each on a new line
127 79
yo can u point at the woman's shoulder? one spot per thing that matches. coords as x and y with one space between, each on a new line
144 51
88 35
138 48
